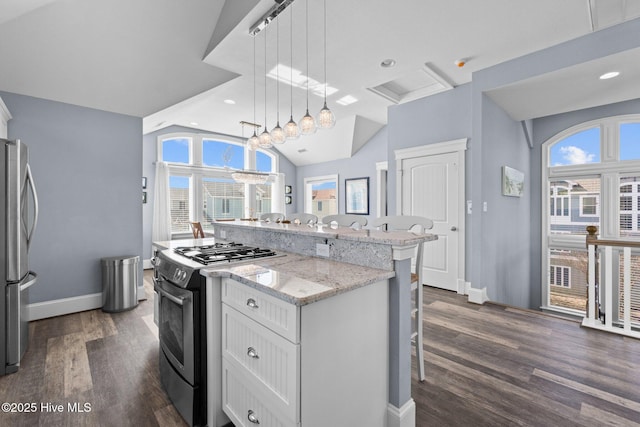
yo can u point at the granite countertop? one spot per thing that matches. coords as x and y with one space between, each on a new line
344 233
172 244
300 279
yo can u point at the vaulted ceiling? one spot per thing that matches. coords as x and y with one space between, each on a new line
175 62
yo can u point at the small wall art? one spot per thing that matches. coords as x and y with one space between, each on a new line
357 196
512 182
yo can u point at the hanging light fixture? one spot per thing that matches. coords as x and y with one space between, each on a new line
277 133
326 118
265 137
253 141
307 122
291 130
249 176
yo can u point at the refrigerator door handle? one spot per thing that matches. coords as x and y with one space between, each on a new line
30 282
35 205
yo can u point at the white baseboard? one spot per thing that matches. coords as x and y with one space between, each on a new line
476 296
402 417
60 307
146 264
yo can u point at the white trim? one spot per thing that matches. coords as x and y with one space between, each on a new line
43 310
4 111
431 149
60 307
402 417
382 168
478 296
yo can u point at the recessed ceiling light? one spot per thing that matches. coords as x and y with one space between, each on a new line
388 63
609 75
193 123
229 101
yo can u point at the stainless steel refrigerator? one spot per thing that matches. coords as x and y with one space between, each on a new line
18 219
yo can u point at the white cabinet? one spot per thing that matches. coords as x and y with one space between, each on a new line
321 364
5 116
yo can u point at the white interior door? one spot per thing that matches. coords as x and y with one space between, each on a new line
430 188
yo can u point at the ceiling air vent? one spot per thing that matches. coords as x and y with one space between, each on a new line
418 84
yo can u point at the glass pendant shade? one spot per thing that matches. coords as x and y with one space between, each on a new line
253 142
265 139
307 124
277 135
326 119
291 130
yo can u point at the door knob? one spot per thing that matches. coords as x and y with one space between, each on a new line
454 228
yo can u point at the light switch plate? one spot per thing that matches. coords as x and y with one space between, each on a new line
223 234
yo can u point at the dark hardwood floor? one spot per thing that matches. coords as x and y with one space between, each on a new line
490 365
486 365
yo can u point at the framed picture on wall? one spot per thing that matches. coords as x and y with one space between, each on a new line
512 182
356 196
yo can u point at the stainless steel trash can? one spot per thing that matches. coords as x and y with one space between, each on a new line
119 283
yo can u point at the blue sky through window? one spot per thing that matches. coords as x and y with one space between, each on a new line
577 149
630 141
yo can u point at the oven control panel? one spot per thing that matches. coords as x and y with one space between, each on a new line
171 271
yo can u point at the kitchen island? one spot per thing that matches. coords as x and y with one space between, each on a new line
303 342
388 251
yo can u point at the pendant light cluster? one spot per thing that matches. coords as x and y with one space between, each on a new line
307 125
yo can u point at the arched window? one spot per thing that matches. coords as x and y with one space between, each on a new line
592 172
201 187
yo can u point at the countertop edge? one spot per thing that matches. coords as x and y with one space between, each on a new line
222 273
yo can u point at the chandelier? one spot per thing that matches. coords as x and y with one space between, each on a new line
307 124
250 177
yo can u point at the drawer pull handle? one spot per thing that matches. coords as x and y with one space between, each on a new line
252 417
251 352
252 303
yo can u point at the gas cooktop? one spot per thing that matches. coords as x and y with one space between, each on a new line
223 252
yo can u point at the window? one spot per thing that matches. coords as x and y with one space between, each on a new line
630 141
577 149
559 276
201 187
578 164
179 188
559 201
225 206
629 206
222 154
321 195
176 150
589 206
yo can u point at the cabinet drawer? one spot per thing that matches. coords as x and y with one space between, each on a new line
245 405
277 315
264 355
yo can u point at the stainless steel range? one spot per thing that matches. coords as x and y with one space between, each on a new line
181 315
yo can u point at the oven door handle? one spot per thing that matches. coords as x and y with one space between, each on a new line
158 287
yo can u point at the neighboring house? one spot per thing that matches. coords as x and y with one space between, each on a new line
323 202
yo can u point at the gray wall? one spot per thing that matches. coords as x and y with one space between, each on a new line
505 230
361 164
87 166
150 154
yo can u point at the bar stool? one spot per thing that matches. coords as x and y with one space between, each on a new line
345 220
303 218
272 217
407 223
196 229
